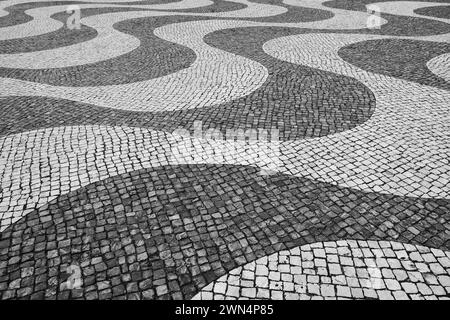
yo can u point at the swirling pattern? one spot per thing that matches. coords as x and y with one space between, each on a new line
226 149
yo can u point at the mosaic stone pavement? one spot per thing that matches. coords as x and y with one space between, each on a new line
225 149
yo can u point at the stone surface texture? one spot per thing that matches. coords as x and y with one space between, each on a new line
225 149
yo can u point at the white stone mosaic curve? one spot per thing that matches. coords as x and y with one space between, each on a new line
338 159
37 166
440 66
402 150
215 77
108 43
111 43
346 269
406 8
36 13
410 128
42 23
224 76
228 76
69 158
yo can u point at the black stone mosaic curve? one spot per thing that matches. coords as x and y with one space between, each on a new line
167 232
134 67
442 12
52 40
17 13
65 36
300 101
154 58
397 25
399 58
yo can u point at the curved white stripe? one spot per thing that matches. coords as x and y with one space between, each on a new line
109 42
42 23
227 76
113 43
181 4
402 149
342 19
215 77
407 151
38 166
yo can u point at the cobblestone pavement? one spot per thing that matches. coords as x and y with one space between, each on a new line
226 149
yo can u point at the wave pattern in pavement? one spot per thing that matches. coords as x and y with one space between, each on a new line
124 160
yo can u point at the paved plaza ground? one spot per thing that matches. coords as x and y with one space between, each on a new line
225 149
